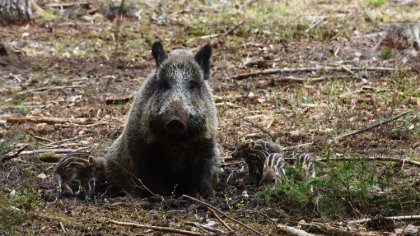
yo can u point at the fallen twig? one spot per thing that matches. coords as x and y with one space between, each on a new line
10 156
292 231
313 79
58 150
228 104
205 227
228 32
315 24
340 137
118 100
83 125
235 27
61 141
393 159
220 219
152 227
402 218
43 139
265 216
22 106
262 129
222 213
307 69
48 120
326 229
46 89
297 146
62 227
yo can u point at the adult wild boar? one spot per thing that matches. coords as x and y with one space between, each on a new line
168 141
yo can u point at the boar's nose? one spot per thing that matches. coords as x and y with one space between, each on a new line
175 127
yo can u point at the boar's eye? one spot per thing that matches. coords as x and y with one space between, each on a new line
193 85
163 84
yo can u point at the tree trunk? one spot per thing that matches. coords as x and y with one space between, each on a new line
16 11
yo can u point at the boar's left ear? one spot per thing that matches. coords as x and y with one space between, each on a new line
203 59
158 53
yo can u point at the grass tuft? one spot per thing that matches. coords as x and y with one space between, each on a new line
348 189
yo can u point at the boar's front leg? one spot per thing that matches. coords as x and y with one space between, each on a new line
202 176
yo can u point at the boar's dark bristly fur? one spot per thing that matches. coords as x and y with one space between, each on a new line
168 141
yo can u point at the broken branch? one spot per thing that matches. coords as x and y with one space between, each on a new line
221 212
47 120
10 156
262 129
325 229
58 150
235 27
220 219
311 79
315 24
205 228
228 32
46 89
308 69
402 218
340 137
297 146
393 159
152 227
292 231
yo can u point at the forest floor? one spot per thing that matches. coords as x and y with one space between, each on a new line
67 81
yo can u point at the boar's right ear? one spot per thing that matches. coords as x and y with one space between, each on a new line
158 53
203 59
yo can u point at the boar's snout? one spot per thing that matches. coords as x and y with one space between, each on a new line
175 127
176 120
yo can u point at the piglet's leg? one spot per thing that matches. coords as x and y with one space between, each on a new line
86 186
66 188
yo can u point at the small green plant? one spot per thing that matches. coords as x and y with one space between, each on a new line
239 204
231 204
295 194
387 53
24 110
376 3
162 206
228 201
17 101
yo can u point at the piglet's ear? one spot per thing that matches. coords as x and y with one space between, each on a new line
203 59
158 53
